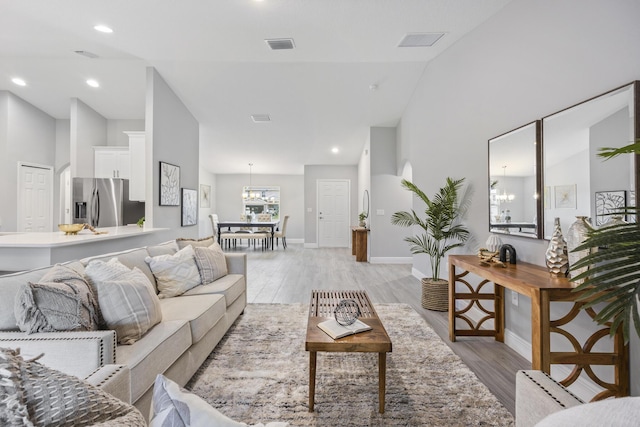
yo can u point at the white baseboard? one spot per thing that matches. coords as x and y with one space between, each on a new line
583 388
294 240
390 260
311 246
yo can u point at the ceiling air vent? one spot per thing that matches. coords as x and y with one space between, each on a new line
420 39
86 54
260 118
279 44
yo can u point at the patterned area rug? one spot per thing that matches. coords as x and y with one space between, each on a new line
260 372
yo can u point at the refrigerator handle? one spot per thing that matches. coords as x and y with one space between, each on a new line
97 216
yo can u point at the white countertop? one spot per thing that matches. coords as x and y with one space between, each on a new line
58 238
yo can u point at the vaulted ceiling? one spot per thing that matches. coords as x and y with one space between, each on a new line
345 74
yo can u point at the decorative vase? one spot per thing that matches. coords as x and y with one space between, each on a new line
556 254
614 220
493 243
576 235
363 223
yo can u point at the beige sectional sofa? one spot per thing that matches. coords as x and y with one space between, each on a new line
192 325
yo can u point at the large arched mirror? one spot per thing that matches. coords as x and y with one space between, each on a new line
514 182
577 181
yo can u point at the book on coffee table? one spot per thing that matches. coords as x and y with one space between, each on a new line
335 330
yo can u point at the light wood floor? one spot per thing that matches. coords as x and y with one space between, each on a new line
288 276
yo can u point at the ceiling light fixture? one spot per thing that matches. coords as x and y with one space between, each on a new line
18 81
504 197
103 29
93 83
335 150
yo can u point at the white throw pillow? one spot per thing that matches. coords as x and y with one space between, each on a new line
175 274
172 406
127 300
211 263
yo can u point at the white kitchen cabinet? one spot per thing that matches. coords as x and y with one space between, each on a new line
112 162
137 177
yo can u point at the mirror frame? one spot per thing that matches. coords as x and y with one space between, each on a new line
365 202
636 134
538 178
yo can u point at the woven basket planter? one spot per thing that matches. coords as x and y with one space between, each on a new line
435 294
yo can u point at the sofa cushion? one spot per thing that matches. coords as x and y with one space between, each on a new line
211 262
166 248
178 408
9 287
34 394
127 300
231 286
175 274
61 301
202 243
155 352
202 312
624 411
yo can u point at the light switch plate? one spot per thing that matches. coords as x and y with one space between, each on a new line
380 212
514 298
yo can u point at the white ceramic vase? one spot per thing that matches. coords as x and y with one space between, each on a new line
493 243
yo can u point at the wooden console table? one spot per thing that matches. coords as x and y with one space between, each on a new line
543 288
359 243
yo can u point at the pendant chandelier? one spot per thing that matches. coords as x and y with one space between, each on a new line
504 197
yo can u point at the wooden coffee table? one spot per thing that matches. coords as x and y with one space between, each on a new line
374 341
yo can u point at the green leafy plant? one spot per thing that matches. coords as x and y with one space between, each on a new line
613 274
140 222
362 216
442 230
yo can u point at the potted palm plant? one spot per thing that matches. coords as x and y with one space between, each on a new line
441 231
612 275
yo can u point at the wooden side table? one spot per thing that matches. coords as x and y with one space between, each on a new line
543 288
359 243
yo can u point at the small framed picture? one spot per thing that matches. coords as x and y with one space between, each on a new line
205 196
169 184
608 203
565 196
189 207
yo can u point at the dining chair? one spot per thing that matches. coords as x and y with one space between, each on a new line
282 233
227 238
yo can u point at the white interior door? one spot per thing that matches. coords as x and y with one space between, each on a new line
35 190
65 196
333 213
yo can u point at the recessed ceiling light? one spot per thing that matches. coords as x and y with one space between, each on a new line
420 39
103 29
19 81
93 83
335 150
260 118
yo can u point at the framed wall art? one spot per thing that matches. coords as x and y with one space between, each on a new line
189 207
631 203
205 196
565 196
169 184
607 203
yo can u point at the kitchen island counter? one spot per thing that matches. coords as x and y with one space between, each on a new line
25 251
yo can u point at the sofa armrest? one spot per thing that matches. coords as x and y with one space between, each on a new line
74 353
538 395
114 379
237 263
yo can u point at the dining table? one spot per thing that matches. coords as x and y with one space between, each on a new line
273 224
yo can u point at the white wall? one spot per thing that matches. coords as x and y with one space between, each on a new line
387 196
205 228
312 173
88 129
173 137
528 61
229 198
27 134
116 129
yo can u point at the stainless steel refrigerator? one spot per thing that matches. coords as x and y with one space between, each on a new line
104 202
